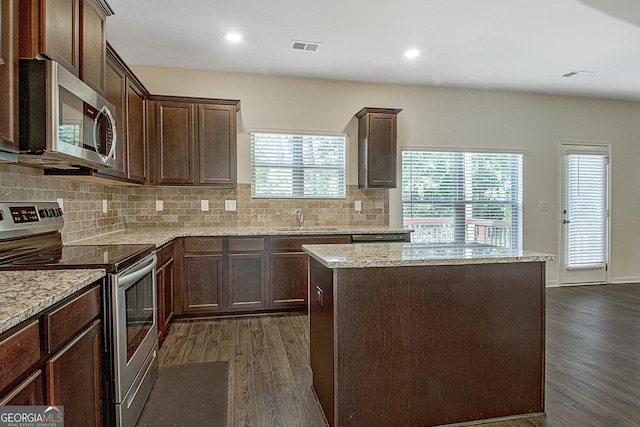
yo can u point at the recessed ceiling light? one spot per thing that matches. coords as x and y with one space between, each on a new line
232 36
412 53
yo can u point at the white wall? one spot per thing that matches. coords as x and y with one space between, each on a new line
442 117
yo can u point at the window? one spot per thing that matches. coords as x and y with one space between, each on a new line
463 197
286 165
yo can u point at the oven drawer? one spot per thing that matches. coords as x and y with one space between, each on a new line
66 321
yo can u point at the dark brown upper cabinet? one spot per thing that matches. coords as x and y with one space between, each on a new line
71 32
8 80
195 141
136 104
128 95
377 147
114 92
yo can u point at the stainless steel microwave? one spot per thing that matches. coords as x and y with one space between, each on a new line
64 124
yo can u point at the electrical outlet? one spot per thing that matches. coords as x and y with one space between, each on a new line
60 203
544 205
229 205
358 205
159 206
204 205
104 206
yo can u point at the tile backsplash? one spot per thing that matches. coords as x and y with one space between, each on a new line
135 206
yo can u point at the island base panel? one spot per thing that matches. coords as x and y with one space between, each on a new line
428 345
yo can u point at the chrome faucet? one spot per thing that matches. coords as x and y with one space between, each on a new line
300 217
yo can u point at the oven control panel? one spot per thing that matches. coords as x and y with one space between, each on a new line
21 214
26 218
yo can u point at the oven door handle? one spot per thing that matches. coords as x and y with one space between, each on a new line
138 273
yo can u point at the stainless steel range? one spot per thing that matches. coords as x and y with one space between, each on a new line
30 239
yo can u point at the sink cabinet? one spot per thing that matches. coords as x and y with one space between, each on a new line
223 275
195 141
377 147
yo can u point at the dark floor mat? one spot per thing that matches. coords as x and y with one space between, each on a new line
188 395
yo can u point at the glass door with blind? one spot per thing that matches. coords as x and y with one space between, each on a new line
585 214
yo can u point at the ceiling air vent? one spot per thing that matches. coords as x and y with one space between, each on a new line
305 46
576 72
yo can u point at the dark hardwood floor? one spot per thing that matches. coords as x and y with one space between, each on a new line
592 362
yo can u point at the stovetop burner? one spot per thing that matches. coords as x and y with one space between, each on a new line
111 257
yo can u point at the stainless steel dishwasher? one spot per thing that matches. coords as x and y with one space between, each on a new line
381 238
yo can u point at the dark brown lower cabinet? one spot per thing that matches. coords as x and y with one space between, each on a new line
202 283
288 268
246 284
20 355
246 281
74 378
245 273
56 358
288 284
165 277
27 393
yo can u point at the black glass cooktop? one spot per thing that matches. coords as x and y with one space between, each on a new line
111 257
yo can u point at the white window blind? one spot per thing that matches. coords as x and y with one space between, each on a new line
586 210
463 197
298 165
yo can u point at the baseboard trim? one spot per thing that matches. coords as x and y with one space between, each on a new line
616 281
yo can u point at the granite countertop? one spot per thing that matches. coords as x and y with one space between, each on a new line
162 235
23 294
416 254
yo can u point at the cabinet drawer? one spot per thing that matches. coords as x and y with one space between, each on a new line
160 261
295 243
18 352
202 244
167 252
255 244
68 320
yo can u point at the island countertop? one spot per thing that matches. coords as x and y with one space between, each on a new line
417 254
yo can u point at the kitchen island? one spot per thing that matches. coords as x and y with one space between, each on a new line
423 335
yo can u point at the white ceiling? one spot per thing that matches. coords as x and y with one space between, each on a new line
514 45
